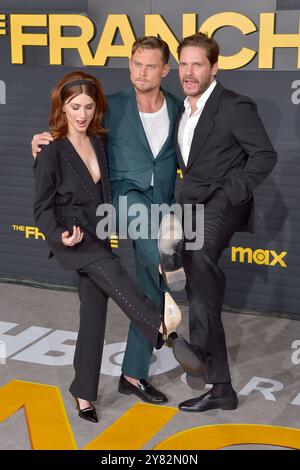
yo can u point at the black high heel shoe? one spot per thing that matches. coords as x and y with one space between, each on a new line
172 318
88 413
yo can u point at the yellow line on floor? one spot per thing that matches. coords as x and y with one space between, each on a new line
223 435
134 428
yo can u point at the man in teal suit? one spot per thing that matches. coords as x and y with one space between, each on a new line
143 166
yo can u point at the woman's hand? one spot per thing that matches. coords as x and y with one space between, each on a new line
71 240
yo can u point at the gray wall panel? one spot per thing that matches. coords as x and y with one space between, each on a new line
249 285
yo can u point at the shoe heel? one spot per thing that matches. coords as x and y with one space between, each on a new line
169 342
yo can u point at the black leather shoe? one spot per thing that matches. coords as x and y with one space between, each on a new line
144 390
88 413
170 245
207 402
190 360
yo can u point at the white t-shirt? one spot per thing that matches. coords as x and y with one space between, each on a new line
156 126
189 122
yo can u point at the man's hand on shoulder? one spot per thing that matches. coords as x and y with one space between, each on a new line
40 139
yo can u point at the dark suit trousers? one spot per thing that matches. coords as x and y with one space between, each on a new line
98 281
206 282
138 352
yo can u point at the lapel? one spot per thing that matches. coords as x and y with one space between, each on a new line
177 148
98 145
80 170
205 124
132 114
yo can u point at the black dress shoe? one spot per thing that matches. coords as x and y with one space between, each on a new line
170 245
191 361
144 390
88 413
207 402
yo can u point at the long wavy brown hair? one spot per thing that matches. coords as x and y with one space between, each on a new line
58 121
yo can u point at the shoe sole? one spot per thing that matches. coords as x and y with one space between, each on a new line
169 251
175 280
172 315
196 382
186 357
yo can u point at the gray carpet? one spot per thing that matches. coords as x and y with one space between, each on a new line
260 351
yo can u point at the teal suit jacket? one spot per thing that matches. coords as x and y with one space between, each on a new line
130 159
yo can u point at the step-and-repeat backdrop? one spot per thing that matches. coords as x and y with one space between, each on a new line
260 57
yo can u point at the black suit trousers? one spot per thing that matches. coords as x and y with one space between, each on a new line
206 282
97 282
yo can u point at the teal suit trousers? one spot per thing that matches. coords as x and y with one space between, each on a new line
138 353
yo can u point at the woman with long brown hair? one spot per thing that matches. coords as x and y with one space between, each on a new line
71 181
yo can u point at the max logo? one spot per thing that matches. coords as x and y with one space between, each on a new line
54 432
266 257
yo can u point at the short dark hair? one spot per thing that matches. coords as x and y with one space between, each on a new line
152 42
201 40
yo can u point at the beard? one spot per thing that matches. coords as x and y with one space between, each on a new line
198 89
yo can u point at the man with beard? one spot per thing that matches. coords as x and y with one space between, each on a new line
224 154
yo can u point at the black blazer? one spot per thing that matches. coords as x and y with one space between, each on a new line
230 149
66 195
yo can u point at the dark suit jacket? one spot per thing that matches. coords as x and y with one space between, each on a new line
230 149
66 195
131 162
